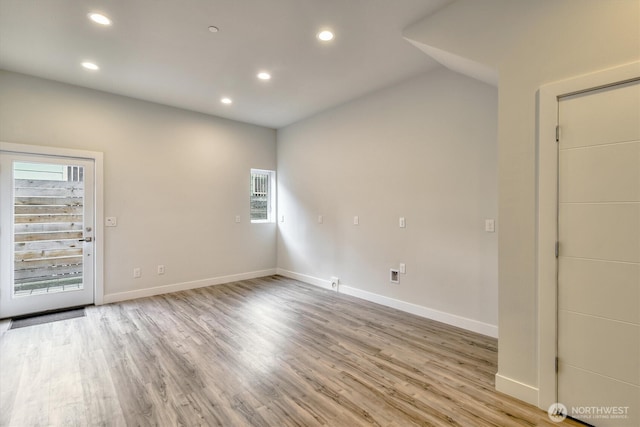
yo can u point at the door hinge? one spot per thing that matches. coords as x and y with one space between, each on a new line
557 133
557 362
557 249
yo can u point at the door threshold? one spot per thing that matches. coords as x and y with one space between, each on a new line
47 317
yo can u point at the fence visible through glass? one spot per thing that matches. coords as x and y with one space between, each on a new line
48 228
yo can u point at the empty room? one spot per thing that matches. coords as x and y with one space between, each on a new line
320 213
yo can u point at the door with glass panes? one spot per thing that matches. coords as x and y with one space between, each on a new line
46 233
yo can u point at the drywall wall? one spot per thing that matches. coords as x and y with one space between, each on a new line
424 150
174 179
530 43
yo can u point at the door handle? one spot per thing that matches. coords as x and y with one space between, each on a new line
86 239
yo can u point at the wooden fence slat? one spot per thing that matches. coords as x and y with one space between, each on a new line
36 237
45 183
28 255
38 210
47 273
48 192
46 262
49 201
47 246
45 226
19 219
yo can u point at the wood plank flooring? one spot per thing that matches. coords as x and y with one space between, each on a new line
263 352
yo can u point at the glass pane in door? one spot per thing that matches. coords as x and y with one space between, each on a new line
48 228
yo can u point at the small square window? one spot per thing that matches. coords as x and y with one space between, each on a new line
262 201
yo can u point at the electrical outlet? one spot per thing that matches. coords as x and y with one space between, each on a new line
237 218
161 269
356 220
402 223
490 225
394 276
137 273
403 268
111 221
335 282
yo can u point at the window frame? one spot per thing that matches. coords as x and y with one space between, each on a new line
271 195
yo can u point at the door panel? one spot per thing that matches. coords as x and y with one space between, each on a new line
602 174
47 228
595 352
605 231
591 390
599 256
601 117
582 289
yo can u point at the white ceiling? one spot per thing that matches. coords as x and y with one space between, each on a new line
162 51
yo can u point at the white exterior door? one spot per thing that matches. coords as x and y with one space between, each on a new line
599 255
46 233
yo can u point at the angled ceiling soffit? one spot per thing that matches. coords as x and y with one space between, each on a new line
459 64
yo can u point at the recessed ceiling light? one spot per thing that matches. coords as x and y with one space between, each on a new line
214 29
226 100
264 75
325 35
99 18
90 66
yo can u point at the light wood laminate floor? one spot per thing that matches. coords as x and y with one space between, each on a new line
263 352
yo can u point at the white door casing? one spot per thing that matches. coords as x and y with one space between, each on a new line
548 96
599 255
90 289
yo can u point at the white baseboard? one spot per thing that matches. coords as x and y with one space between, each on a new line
159 290
517 389
422 311
418 310
325 284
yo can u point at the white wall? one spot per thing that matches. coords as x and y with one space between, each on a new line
425 149
174 179
530 43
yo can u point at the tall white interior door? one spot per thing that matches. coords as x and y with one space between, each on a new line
599 255
46 233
